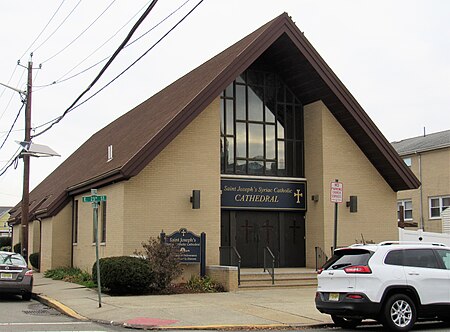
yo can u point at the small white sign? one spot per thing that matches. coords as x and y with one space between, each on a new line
337 192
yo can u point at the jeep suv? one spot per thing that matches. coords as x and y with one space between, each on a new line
394 283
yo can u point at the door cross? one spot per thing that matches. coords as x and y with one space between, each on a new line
247 227
268 228
294 227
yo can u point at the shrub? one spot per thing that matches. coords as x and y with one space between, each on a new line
60 273
163 261
203 285
35 260
17 248
124 274
70 274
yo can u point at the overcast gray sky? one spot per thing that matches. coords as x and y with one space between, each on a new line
393 56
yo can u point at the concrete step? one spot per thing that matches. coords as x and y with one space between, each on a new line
259 279
270 286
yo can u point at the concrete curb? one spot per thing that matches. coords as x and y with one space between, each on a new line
58 306
71 313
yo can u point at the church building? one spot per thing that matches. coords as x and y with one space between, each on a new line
247 148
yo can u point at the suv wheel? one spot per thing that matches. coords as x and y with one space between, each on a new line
344 322
399 313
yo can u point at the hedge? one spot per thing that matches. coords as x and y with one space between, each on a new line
124 274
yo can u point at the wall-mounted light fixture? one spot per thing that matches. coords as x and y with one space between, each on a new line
315 198
353 204
195 199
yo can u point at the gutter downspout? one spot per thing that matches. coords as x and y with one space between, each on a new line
422 226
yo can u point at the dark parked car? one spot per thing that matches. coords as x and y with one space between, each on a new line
15 276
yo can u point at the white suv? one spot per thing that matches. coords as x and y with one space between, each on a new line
392 282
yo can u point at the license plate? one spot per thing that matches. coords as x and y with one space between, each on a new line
8 276
333 297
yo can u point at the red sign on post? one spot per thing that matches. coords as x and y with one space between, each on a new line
337 192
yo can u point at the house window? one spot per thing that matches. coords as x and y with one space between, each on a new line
407 209
407 161
75 222
261 126
437 205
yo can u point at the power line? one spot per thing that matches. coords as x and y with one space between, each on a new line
159 23
12 161
45 27
14 123
59 26
12 95
82 32
132 64
61 80
116 53
72 107
7 83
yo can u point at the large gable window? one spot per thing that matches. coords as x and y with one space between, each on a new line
261 127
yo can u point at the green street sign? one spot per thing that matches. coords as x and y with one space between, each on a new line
94 198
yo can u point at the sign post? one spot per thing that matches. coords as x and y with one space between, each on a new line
95 200
336 195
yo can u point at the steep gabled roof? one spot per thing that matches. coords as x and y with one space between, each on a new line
424 143
4 210
139 135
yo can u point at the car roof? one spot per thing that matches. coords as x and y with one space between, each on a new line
8 253
394 244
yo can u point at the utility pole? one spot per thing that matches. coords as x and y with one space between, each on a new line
26 165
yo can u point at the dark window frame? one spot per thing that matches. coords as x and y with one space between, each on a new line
75 222
103 228
292 141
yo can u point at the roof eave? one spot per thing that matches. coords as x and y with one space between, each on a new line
204 98
350 103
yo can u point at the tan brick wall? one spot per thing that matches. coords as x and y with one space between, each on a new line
47 244
116 228
158 198
342 159
227 276
314 176
62 235
56 240
34 236
435 178
16 234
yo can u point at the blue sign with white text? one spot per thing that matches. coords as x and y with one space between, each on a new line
263 194
188 244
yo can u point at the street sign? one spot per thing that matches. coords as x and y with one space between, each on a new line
94 198
336 192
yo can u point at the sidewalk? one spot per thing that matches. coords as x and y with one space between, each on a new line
271 308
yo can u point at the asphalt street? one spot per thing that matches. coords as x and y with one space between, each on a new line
19 316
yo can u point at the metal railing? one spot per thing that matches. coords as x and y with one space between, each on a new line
238 264
321 258
228 258
267 251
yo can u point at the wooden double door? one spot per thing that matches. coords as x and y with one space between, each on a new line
250 232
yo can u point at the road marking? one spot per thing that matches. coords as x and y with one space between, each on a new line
50 323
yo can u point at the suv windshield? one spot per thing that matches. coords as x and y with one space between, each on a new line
348 257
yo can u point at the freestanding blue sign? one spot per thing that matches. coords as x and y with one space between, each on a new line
188 244
257 194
